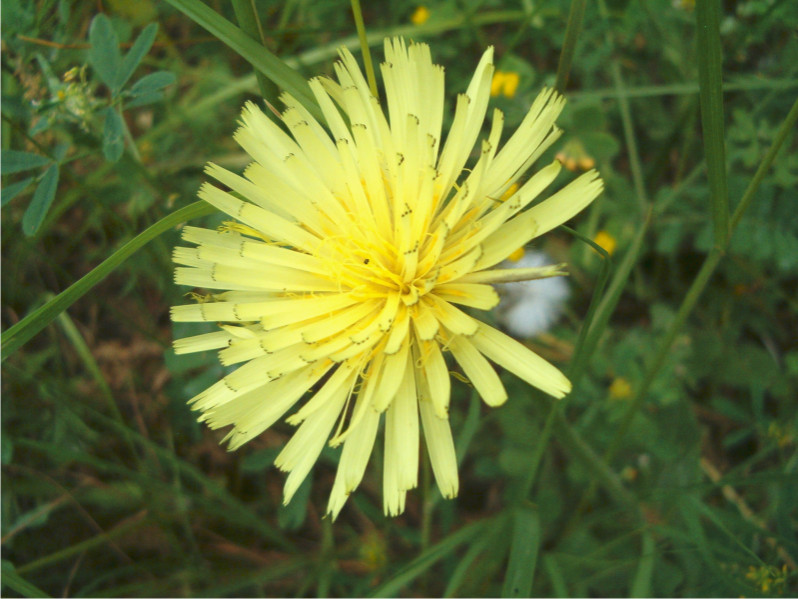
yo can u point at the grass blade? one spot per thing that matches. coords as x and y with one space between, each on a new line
392 586
251 51
249 21
523 552
711 94
16 583
573 29
19 334
357 12
641 584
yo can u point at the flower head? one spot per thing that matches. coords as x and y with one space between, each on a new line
351 252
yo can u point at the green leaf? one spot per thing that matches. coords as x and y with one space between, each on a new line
42 199
113 135
14 161
19 334
251 51
523 553
104 52
144 99
16 583
13 190
137 52
152 83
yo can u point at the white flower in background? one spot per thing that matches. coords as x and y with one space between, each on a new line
529 308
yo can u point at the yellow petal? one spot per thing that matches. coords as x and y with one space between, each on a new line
479 371
521 361
438 437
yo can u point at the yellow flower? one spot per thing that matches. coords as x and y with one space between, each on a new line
606 241
620 388
504 84
354 248
420 15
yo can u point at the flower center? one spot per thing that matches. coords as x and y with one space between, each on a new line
371 268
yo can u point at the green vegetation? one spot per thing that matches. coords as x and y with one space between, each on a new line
672 469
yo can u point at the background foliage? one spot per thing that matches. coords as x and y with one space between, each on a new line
111 488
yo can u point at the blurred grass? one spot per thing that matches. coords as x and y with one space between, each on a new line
698 482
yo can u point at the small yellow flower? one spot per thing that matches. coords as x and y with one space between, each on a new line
505 84
357 245
420 15
620 388
606 241
769 579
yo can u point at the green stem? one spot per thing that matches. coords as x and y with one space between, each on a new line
575 17
711 95
610 299
19 334
364 47
131 143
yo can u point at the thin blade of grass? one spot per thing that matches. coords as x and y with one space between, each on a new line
641 584
249 21
19 334
574 27
78 548
523 552
357 12
711 93
251 51
464 569
392 586
16 583
556 578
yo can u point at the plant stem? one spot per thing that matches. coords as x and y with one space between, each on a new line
711 94
575 17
